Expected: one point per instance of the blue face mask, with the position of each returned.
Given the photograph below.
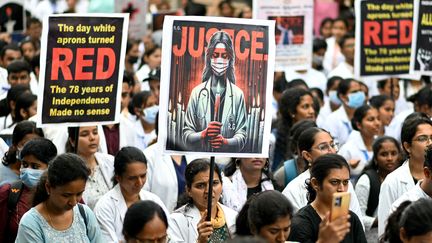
(150, 113)
(357, 99)
(30, 177)
(334, 98)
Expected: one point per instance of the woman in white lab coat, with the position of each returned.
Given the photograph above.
(188, 223)
(100, 164)
(130, 168)
(358, 148)
(244, 177)
(416, 135)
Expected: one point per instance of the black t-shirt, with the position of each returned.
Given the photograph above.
(253, 190)
(305, 227)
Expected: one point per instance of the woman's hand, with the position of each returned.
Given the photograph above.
(335, 231)
(205, 229)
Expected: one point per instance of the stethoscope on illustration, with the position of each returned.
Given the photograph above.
(204, 91)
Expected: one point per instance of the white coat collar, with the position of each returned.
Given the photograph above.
(341, 113)
(404, 173)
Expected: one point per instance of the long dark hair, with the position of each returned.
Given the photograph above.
(376, 146)
(216, 38)
(414, 217)
(62, 170)
(20, 131)
(290, 99)
(320, 169)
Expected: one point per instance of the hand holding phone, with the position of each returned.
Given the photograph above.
(340, 205)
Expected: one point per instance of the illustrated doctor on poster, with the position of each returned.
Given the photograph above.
(215, 117)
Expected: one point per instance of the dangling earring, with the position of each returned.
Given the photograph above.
(237, 162)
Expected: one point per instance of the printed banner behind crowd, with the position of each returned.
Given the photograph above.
(383, 43)
(294, 34)
(217, 78)
(12, 17)
(421, 56)
(82, 63)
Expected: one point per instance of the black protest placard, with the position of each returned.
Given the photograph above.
(383, 38)
(421, 56)
(82, 68)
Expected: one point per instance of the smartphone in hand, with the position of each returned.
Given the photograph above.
(340, 205)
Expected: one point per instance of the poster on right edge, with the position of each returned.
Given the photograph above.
(421, 56)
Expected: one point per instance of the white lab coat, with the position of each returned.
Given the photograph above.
(393, 186)
(354, 148)
(161, 175)
(111, 209)
(234, 193)
(343, 70)
(126, 135)
(395, 127)
(198, 116)
(312, 77)
(412, 195)
(184, 222)
(143, 139)
(333, 55)
(296, 193)
(338, 124)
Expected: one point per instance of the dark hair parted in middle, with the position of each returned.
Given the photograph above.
(139, 214)
(262, 209)
(321, 168)
(62, 170)
(126, 156)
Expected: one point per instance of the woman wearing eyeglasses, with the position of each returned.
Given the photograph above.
(416, 136)
(358, 148)
(328, 175)
(313, 143)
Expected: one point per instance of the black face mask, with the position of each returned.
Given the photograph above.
(133, 59)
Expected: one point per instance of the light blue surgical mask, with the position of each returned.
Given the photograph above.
(30, 177)
(334, 97)
(150, 113)
(357, 99)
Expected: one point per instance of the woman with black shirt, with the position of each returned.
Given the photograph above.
(329, 174)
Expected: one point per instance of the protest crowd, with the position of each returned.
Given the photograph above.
(331, 132)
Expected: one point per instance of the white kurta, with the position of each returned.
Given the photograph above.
(362, 190)
(393, 186)
(111, 210)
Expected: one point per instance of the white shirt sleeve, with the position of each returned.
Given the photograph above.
(362, 190)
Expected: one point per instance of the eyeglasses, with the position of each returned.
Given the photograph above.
(423, 138)
(124, 94)
(327, 147)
